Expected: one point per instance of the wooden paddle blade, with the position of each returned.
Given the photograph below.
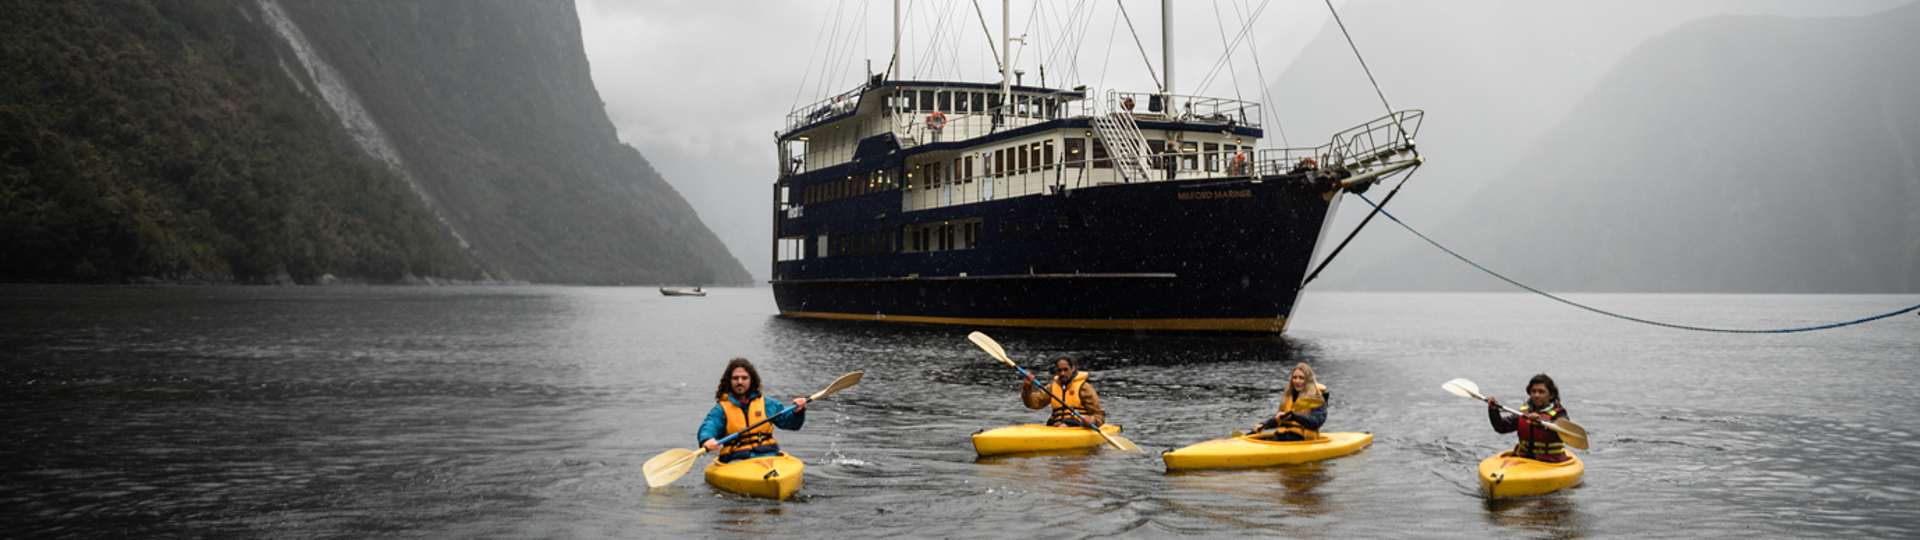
(1463, 388)
(842, 383)
(1570, 433)
(1120, 443)
(992, 347)
(663, 469)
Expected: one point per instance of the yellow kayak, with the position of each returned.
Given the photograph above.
(1036, 438)
(1504, 476)
(772, 477)
(1258, 451)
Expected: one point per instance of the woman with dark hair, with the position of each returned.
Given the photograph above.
(1070, 384)
(1543, 405)
(740, 405)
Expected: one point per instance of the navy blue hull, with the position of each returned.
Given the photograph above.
(1216, 255)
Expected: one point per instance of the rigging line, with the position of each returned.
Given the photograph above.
(989, 33)
(1370, 79)
(853, 50)
(1244, 31)
(802, 88)
(1410, 229)
(1066, 22)
(831, 15)
(1266, 94)
(1356, 229)
(1222, 29)
(822, 89)
(931, 63)
(1143, 48)
(1112, 32)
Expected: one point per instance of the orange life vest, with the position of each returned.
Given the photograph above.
(738, 419)
(1071, 396)
(1290, 426)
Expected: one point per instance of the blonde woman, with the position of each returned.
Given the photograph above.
(1291, 426)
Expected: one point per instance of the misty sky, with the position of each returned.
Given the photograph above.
(700, 89)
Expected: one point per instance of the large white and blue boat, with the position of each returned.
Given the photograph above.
(1004, 205)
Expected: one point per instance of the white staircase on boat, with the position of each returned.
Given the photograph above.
(1125, 144)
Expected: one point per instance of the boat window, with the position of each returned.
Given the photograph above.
(1074, 152)
(926, 101)
(993, 101)
(821, 246)
(1046, 154)
(1213, 157)
(1189, 156)
(969, 171)
(1063, 222)
(979, 102)
(906, 101)
(1022, 160)
(1100, 155)
(1000, 162)
(792, 248)
(946, 101)
(1033, 155)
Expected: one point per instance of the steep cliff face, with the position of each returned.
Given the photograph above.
(492, 110)
(167, 139)
(268, 141)
(1734, 154)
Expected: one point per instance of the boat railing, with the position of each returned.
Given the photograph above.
(1152, 106)
(1358, 148)
(924, 194)
(830, 107)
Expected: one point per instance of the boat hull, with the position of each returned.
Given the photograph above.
(1037, 438)
(772, 477)
(1251, 451)
(1200, 256)
(1505, 476)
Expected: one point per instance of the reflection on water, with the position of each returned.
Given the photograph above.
(248, 412)
(1554, 515)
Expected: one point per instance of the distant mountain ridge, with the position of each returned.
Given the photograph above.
(196, 140)
(1733, 154)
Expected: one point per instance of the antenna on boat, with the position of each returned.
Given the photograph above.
(1006, 63)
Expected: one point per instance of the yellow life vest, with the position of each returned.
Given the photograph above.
(1290, 426)
(1071, 395)
(738, 419)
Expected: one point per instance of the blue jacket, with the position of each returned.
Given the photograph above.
(716, 421)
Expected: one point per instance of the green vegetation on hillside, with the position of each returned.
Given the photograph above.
(166, 138)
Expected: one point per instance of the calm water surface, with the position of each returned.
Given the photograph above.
(527, 411)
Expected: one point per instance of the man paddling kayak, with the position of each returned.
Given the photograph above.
(740, 405)
(1288, 425)
(1543, 405)
(1071, 385)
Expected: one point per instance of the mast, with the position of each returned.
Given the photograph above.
(1006, 60)
(1166, 45)
(896, 40)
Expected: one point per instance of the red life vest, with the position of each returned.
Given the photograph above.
(738, 419)
(1539, 442)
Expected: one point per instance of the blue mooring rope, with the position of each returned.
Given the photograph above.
(1410, 229)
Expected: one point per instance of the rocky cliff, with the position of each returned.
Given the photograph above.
(1733, 154)
(261, 140)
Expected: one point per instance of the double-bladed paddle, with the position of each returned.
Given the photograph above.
(1574, 435)
(670, 465)
(993, 348)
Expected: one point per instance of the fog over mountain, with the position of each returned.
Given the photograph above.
(1731, 154)
(1493, 76)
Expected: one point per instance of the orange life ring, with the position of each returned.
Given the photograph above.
(1239, 161)
(1127, 102)
(937, 120)
(1309, 163)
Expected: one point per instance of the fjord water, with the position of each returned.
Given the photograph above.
(519, 412)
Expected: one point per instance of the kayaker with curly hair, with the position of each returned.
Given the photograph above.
(1543, 405)
(740, 405)
(1288, 425)
(1070, 384)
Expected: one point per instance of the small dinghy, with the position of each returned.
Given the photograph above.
(677, 291)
